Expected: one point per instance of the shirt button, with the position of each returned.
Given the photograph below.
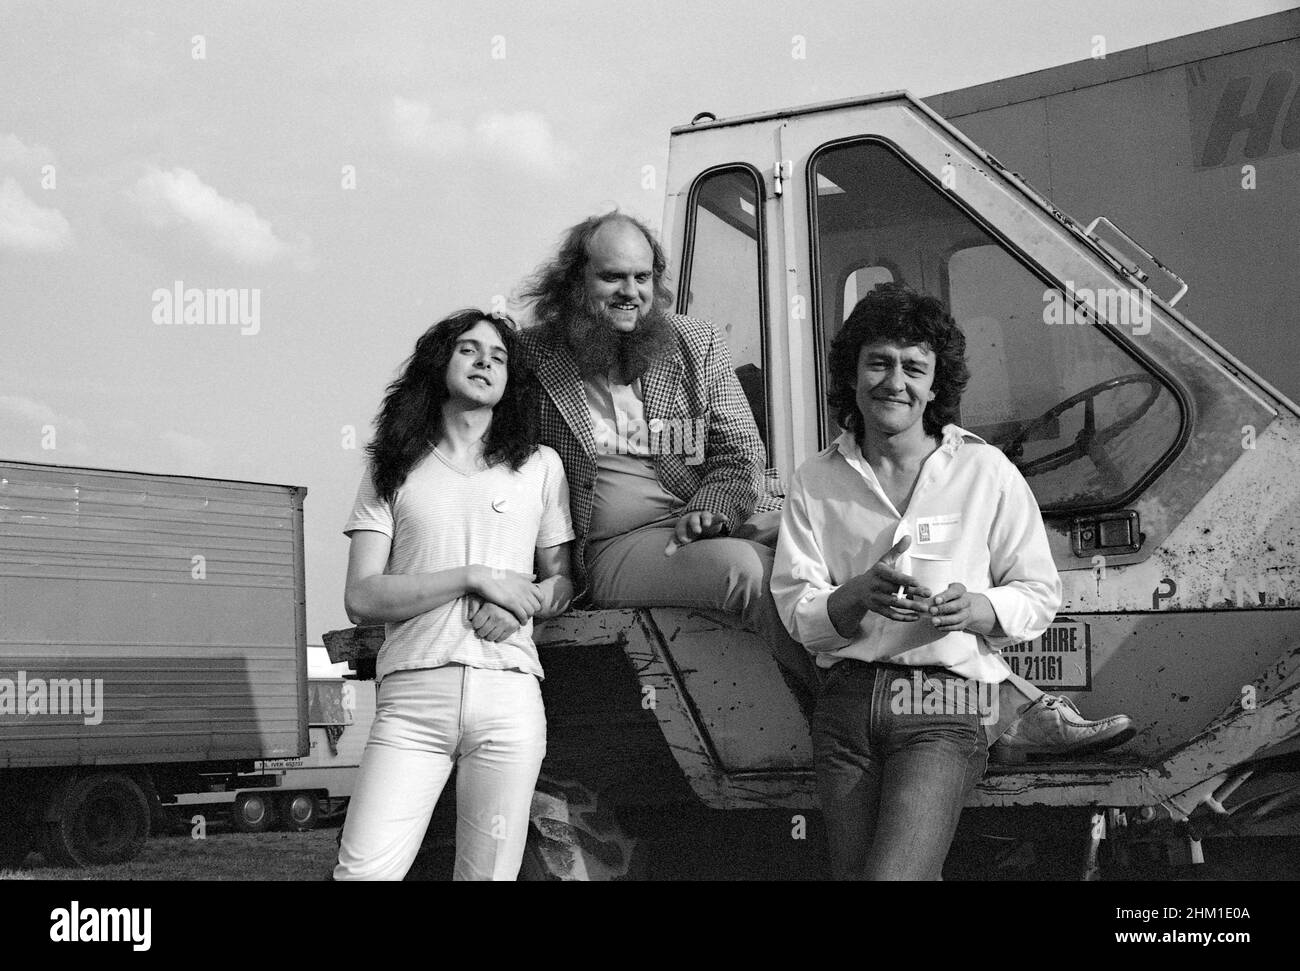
(656, 424)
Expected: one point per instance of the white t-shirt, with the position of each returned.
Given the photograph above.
(442, 518)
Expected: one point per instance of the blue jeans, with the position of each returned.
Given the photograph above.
(892, 784)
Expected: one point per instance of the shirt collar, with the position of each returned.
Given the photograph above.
(951, 440)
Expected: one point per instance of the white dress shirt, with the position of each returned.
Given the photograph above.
(972, 519)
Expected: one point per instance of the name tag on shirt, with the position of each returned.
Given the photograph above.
(938, 529)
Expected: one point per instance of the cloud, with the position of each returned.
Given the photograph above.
(414, 127)
(15, 154)
(25, 409)
(522, 139)
(28, 418)
(110, 444)
(234, 229)
(27, 227)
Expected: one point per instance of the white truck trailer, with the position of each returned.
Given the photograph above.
(152, 638)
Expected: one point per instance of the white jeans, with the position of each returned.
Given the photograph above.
(491, 726)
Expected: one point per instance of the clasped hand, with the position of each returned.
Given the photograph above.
(502, 602)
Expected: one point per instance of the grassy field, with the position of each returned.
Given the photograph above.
(708, 846)
(711, 847)
(220, 856)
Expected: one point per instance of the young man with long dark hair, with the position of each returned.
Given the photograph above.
(458, 511)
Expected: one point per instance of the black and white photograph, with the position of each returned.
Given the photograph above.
(661, 443)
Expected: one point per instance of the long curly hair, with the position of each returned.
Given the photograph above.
(410, 419)
(557, 287)
(896, 313)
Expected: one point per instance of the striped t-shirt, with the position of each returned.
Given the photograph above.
(442, 518)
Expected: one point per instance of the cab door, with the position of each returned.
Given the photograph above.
(722, 227)
(722, 222)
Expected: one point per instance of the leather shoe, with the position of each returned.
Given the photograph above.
(1053, 726)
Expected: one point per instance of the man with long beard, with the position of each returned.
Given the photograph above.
(659, 446)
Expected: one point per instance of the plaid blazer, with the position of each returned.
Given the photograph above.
(696, 380)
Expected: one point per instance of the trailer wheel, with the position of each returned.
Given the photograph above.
(299, 811)
(100, 818)
(253, 812)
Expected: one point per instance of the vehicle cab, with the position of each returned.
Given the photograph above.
(1167, 473)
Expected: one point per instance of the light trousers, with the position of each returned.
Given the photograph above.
(723, 574)
(491, 726)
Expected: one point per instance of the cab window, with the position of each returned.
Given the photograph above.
(1084, 416)
(722, 273)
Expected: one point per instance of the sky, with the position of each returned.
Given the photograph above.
(368, 169)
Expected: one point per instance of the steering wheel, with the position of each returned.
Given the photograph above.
(1091, 439)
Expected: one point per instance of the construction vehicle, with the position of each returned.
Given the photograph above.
(153, 644)
(1167, 470)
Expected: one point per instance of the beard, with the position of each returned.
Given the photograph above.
(600, 350)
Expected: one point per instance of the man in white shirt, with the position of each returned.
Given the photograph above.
(911, 552)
